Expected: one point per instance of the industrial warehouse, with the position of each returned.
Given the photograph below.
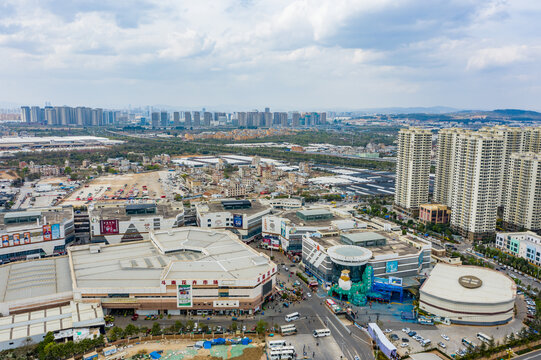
(468, 295)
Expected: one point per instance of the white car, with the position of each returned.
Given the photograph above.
(442, 345)
(445, 337)
(406, 330)
(404, 345)
(386, 331)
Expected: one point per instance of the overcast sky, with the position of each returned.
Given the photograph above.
(284, 54)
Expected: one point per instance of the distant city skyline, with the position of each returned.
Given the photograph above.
(283, 54)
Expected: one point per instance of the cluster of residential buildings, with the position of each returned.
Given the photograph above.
(477, 173)
(85, 116)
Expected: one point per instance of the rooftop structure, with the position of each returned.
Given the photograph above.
(35, 233)
(241, 216)
(388, 254)
(468, 295)
(72, 321)
(205, 260)
(34, 284)
(118, 222)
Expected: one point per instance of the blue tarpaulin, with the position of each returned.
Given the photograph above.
(207, 344)
(155, 355)
(245, 341)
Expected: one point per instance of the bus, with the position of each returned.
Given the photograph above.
(288, 330)
(321, 333)
(283, 352)
(331, 304)
(468, 343)
(277, 343)
(485, 338)
(293, 316)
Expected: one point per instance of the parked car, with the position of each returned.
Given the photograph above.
(404, 345)
(406, 330)
(445, 337)
(442, 345)
(394, 337)
(412, 333)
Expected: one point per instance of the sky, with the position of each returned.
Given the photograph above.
(288, 55)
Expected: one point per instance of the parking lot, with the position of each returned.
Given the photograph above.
(454, 333)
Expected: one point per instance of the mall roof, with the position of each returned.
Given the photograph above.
(494, 287)
(184, 253)
(20, 281)
(74, 315)
(217, 206)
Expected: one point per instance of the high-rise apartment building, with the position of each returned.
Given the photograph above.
(443, 185)
(155, 119)
(207, 118)
(196, 119)
(268, 119)
(522, 200)
(25, 114)
(164, 119)
(36, 114)
(176, 119)
(476, 180)
(243, 119)
(50, 116)
(412, 169)
(296, 120)
(187, 119)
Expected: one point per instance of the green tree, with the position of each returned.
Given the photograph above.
(156, 329)
(67, 170)
(234, 326)
(131, 330)
(261, 326)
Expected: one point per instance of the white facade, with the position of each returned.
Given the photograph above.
(522, 198)
(526, 245)
(476, 181)
(443, 185)
(468, 295)
(413, 167)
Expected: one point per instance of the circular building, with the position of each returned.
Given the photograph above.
(348, 257)
(468, 295)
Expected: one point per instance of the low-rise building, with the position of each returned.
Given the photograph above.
(526, 245)
(116, 222)
(468, 295)
(180, 271)
(74, 321)
(434, 213)
(243, 217)
(286, 230)
(35, 233)
(325, 256)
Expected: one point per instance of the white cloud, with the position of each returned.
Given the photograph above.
(356, 47)
(496, 57)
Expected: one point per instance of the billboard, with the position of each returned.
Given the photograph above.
(237, 220)
(16, 239)
(109, 227)
(47, 233)
(391, 266)
(5, 240)
(395, 281)
(55, 231)
(184, 295)
(26, 237)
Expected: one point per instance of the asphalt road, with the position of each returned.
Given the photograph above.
(534, 355)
